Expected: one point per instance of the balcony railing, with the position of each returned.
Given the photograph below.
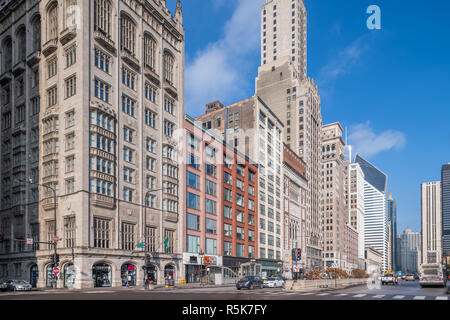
(34, 58)
(103, 201)
(49, 47)
(105, 41)
(130, 59)
(49, 203)
(68, 34)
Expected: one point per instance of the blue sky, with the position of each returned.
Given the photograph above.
(389, 87)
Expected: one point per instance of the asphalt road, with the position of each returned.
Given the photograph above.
(403, 291)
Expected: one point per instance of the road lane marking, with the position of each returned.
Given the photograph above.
(341, 295)
(324, 294)
(307, 293)
(379, 296)
(419, 298)
(398, 297)
(360, 295)
(441, 298)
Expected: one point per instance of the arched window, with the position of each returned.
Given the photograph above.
(36, 27)
(21, 44)
(7, 54)
(71, 13)
(102, 16)
(168, 67)
(52, 21)
(128, 34)
(150, 52)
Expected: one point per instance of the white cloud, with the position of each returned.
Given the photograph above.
(342, 64)
(366, 142)
(219, 71)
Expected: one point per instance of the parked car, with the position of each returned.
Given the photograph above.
(2, 285)
(274, 283)
(250, 282)
(410, 277)
(18, 285)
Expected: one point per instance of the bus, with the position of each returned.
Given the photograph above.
(433, 274)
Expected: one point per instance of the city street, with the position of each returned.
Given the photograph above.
(403, 291)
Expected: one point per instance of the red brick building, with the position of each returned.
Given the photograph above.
(220, 221)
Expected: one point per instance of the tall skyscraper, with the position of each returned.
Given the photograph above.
(354, 198)
(410, 251)
(431, 222)
(283, 85)
(392, 232)
(375, 219)
(334, 213)
(445, 189)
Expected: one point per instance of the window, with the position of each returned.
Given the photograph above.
(240, 216)
(19, 114)
(192, 160)
(210, 188)
(127, 236)
(102, 233)
(240, 184)
(70, 164)
(227, 195)
(228, 212)
(127, 35)
(227, 230)
(211, 226)
(210, 152)
(211, 246)
(150, 118)
(251, 220)
(193, 201)
(211, 169)
(193, 222)
(128, 175)
(227, 248)
(149, 52)
(169, 128)
(240, 250)
(128, 105)
(192, 244)
(51, 68)
(128, 155)
(127, 195)
(151, 237)
(128, 134)
(52, 95)
(69, 232)
(168, 67)
(101, 90)
(70, 141)
(192, 180)
(240, 200)
(52, 21)
(102, 16)
(70, 119)
(228, 178)
(102, 60)
(70, 186)
(193, 142)
(240, 233)
(169, 105)
(71, 86)
(71, 56)
(150, 92)
(128, 78)
(211, 206)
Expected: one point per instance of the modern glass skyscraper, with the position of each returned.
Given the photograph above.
(445, 191)
(392, 226)
(375, 222)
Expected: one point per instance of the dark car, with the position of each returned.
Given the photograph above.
(250, 282)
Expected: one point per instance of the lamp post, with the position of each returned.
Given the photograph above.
(54, 212)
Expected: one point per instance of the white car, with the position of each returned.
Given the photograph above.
(274, 283)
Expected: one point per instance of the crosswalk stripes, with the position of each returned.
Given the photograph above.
(307, 293)
(398, 297)
(441, 298)
(323, 294)
(341, 295)
(379, 296)
(419, 298)
(360, 295)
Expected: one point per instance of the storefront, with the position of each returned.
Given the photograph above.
(128, 275)
(169, 272)
(152, 274)
(101, 274)
(69, 275)
(34, 275)
(234, 264)
(201, 268)
(50, 278)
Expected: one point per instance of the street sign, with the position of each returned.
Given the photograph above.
(56, 271)
(141, 245)
(55, 239)
(29, 241)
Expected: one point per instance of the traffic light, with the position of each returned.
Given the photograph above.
(294, 254)
(299, 254)
(2, 237)
(57, 259)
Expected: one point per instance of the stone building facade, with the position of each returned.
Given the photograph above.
(111, 82)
